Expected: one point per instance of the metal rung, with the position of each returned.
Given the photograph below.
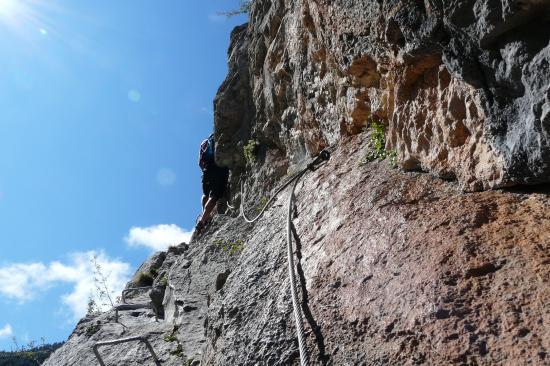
(131, 307)
(124, 340)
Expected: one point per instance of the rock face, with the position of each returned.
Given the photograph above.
(463, 87)
(396, 267)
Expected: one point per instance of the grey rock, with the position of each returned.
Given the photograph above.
(153, 263)
(462, 86)
(157, 296)
(386, 256)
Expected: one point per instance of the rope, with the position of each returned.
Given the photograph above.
(304, 359)
(323, 156)
(281, 188)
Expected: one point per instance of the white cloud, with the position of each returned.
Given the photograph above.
(6, 332)
(166, 177)
(157, 237)
(24, 281)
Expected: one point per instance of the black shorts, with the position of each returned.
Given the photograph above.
(214, 182)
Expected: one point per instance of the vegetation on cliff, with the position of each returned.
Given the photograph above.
(28, 356)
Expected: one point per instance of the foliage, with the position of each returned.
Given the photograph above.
(170, 338)
(154, 272)
(187, 361)
(244, 8)
(164, 281)
(376, 142)
(29, 355)
(251, 151)
(376, 146)
(178, 352)
(263, 201)
(392, 156)
(92, 308)
(101, 279)
(233, 247)
(145, 279)
(92, 329)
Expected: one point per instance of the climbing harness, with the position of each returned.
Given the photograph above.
(323, 156)
(125, 340)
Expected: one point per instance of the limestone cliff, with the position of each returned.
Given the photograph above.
(397, 266)
(463, 86)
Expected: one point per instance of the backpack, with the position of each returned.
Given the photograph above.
(206, 154)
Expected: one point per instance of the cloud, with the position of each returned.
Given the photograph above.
(157, 237)
(22, 282)
(6, 332)
(166, 177)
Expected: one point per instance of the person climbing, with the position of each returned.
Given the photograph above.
(214, 181)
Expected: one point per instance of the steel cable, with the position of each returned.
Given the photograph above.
(323, 156)
(304, 359)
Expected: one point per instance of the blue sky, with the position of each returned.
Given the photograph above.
(102, 107)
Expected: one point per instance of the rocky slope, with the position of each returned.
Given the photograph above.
(396, 266)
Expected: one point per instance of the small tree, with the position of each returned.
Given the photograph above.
(102, 289)
(92, 306)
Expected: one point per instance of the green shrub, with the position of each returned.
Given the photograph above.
(178, 352)
(376, 146)
(392, 155)
(233, 247)
(92, 329)
(236, 247)
(251, 151)
(145, 279)
(263, 201)
(170, 338)
(377, 142)
(154, 272)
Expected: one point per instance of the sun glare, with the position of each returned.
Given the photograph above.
(9, 9)
(21, 15)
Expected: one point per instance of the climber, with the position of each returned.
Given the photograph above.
(214, 181)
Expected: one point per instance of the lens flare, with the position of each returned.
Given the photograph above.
(10, 10)
(20, 16)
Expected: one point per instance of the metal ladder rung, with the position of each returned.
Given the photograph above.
(122, 307)
(125, 340)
